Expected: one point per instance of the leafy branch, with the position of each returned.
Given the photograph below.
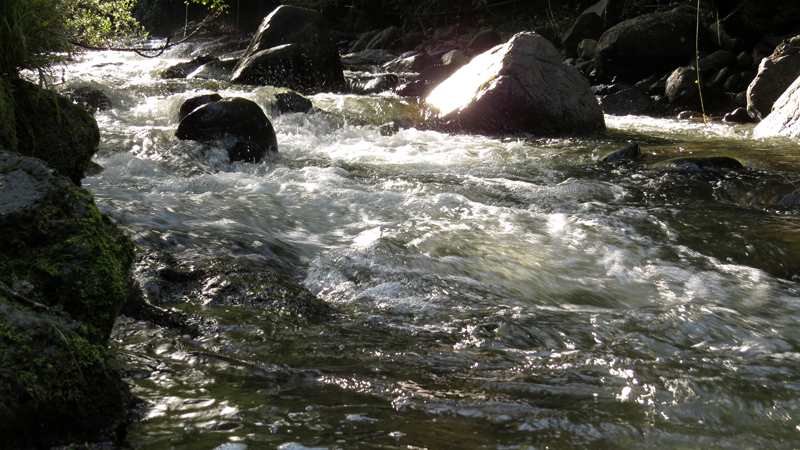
(141, 51)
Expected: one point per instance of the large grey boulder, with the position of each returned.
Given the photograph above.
(648, 44)
(239, 124)
(69, 268)
(292, 49)
(785, 117)
(521, 86)
(775, 74)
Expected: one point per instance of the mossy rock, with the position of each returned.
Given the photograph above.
(55, 383)
(56, 387)
(8, 133)
(56, 239)
(52, 128)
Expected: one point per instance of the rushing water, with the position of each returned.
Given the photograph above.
(491, 293)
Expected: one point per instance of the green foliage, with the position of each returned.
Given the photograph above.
(29, 34)
(97, 22)
(219, 6)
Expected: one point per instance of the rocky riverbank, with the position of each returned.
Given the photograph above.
(66, 275)
(670, 61)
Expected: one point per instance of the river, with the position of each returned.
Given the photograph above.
(491, 293)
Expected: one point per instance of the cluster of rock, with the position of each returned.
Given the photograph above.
(658, 63)
(293, 49)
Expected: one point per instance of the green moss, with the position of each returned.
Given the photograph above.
(53, 379)
(75, 257)
(50, 127)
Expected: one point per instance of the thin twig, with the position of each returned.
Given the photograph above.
(18, 296)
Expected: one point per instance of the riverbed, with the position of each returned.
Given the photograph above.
(490, 292)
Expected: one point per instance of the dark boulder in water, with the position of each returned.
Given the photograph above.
(411, 61)
(632, 151)
(181, 70)
(215, 70)
(289, 102)
(195, 102)
(292, 49)
(238, 123)
(738, 115)
(365, 84)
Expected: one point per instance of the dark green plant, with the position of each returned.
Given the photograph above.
(29, 35)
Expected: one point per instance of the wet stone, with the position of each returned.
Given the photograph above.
(630, 152)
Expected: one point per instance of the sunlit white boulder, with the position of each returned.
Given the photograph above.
(784, 120)
(521, 86)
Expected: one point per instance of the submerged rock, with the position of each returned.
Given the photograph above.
(785, 117)
(238, 123)
(166, 280)
(292, 49)
(521, 86)
(58, 385)
(90, 98)
(713, 163)
(632, 151)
